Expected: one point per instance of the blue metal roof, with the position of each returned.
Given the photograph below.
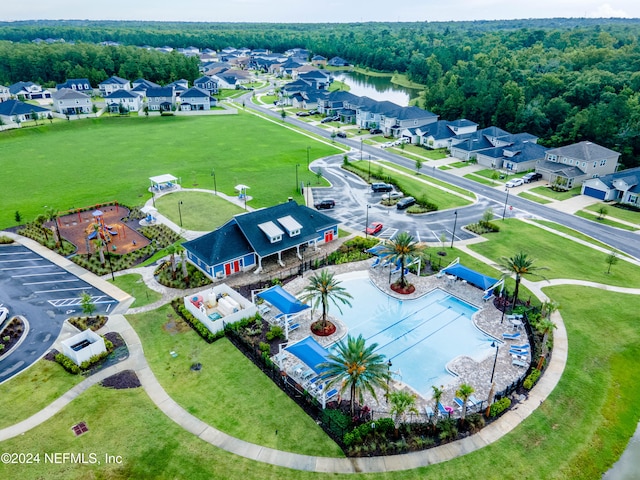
(282, 300)
(471, 276)
(310, 352)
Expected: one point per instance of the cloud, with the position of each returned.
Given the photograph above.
(607, 11)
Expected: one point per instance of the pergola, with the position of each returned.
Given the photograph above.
(161, 182)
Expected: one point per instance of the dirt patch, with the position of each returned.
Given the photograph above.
(122, 380)
(175, 326)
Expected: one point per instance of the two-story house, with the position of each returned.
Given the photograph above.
(112, 84)
(5, 94)
(567, 167)
(195, 99)
(123, 100)
(161, 99)
(72, 102)
(79, 84)
(28, 91)
(207, 84)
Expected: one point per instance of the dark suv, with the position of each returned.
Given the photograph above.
(532, 177)
(375, 131)
(325, 204)
(381, 187)
(405, 203)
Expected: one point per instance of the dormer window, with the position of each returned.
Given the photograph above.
(290, 225)
(272, 231)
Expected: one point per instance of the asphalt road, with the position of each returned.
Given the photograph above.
(427, 226)
(45, 294)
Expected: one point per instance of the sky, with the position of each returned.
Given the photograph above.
(318, 11)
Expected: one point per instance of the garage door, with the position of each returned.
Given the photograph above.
(595, 193)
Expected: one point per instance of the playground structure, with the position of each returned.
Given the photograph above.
(83, 226)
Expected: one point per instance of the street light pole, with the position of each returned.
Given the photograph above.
(297, 184)
(361, 140)
(215, 185)
(455, 221)
(366, 223)
(180, 211)
(389, 365)
(369, 179)
(504, 212)
(493, 371)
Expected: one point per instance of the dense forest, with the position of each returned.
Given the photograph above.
(564, 80)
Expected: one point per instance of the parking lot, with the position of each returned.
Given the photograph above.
(45, 294)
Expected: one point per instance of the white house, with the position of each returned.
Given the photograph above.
(128, 99)
(4, 93)
(72, 102)
(112, 84)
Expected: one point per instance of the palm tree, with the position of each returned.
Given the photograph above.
(183, 264)
(520, 264)
(171, 250)
(39, 221)
(464, 392)
(322, 289)
(98, 244)
(402, 249)
(356, 367)
(545, 327)
(437, 396)
(52, 215)
(401, 403)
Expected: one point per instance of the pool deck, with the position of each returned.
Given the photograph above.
(475, 373)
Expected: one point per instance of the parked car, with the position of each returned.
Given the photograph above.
(405, 203)
(392, 195)
(325, 204)
(374, 228)
(302, 114)
(516, 182)
(381, 187)
(532, 177)
(313, 112)
(341, 134)
(375, 131)
(326, 120)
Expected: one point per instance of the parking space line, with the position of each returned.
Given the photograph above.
(73, 301)
(88, 287)
(39, 274)
(53, 281)
(22, 268)
(22, 260)
(418, 236)
(16, 253)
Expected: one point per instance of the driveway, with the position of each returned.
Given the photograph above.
(45, 294)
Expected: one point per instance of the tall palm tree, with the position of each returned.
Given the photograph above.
(520, 265)
(322, 289)
(437, 396)
(356, 367)
(544, 326)
(171, 250)
(52, 215)
(401, 402)
(183, 264)
(403, 249)
(464, 392)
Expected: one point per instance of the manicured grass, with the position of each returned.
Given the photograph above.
(444, 167)
(229, 392)
(605, 221)
(133, 284)
(199, 210)
(32, 390)
(417, 188)
(617, 212)
(547, 192)
(534, 198)
(435, 181)
(574, 233)
(482, 180)
(122, 153)
(458, 164)
(414, 151)
(338, 85)
(565, 258)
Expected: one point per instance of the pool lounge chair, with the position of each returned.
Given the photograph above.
(331, 393)
(520, 347)
(519, 363)
(376, 262)
(429, 411)
(443, 410)
(515, 351)
(511, 336)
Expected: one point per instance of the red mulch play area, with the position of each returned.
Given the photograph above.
(75, 228)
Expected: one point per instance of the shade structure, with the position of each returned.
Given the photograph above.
(282, 300)
(471, 276)
(376, 249)
(310, 352)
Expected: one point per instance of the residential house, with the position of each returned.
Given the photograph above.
(306, 100)
(319, 61)
(569, 166)
(466, 146)
(5, 94)
(231, 79)
(72, 102)
(125, 99)
(28, 91)
(207, 84)
(335, 101)
(79, 84)
(247, 239)
(161, 99)
(15, 111)
(338, 62)
(623, 187)
(179, 86)
(439, 134)
(195, 99)
(112, 84)
(317, 78)
(394, 121)
(521, 156)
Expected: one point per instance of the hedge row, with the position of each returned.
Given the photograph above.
(194, 323)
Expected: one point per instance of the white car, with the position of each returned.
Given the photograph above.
(392, 195)
(516, 182)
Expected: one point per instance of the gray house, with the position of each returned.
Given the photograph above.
(112, 84)
(72, 102)
(206, 83)
(195, 99)
(517, 157)
(161, 99)
(623, 187)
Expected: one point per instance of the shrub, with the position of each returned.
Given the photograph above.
(265, 348)
(6, 338)
(500, 406)
(275, 332)
(4, 240)
(194, 323)
(67, 363)
(531, 379)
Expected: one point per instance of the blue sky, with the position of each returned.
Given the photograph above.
(315, 11)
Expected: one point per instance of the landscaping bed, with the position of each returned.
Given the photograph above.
(11, 335)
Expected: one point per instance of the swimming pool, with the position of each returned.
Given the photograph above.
(419, 336)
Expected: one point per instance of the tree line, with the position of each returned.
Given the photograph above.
(564, 80)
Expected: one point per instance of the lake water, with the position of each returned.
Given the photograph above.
(378, 88)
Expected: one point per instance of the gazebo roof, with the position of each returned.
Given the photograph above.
(163, 178)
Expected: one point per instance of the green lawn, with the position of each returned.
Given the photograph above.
(534, 198)
(199, 210)
(133, 284)
(458, 164)
(416, 187)
(229, 392)
(114, 157)
(482, 180)
(32, 390)
(565, 258)
(547, 192)
(617, 212)
(444, 167)
(605, 221)
(435, 181)
(573, 233)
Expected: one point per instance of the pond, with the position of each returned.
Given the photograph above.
(378, 88)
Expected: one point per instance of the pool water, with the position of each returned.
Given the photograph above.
(420, 336)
